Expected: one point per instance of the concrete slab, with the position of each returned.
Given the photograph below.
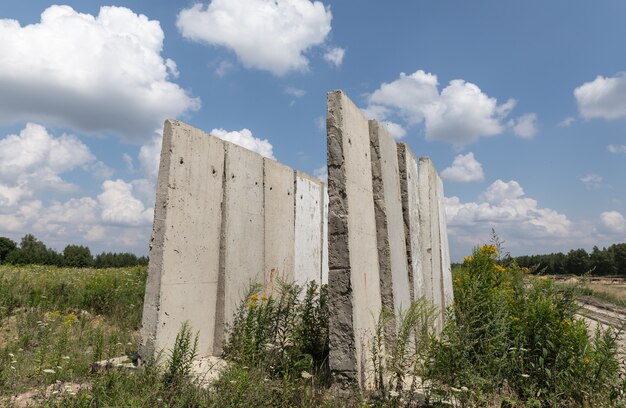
(407, 165)
(242, 258)
(324, 273)
(446, 270)
(279, 201)
(186, 236)
(353, 278)
(392, 261)
(425, 239)
(427, 171)
(308, 233)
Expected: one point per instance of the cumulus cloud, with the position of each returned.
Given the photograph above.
(567, 122)
(464, 169)
(604, 97)
(34, 159)
(268, 35)
(94, 74)
(459, 114)
(245, 139)
(505, 207)
(149, 157)
(334, 56)
(616, 148)
(525, 126)
(120, 206)
(612, 222)
(591, 181)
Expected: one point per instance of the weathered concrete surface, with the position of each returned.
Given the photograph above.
(183, 270)
(279, 224)
(446, 270)
(392, 261)
(353, 278)
(407, 165)
(308, 238)
(242, 258)
(324, 274)
(425, 221)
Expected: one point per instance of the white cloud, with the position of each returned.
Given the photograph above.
(268, 35)
(464, 169)
(616, 148)
(394, 129)
(120, 206)
(321, 173)
(604, 97)
(223, 68)
(320, 123)
(95, 74)
(613, 222)
(591, 181)
(150, 156)
(567, 122)
(34, 159)
(518, 219)
(245, 139)
(295, 92)
(526, 126)
(334, 56)
(459, 114)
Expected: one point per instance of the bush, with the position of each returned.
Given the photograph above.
(509, 333)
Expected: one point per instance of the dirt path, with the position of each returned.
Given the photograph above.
(598, 313)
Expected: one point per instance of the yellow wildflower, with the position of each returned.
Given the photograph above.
(254, 298)
(515, 318)
(457, 280)
(586, 360)
(468, 259)
(69, 319)
(488, 249)
(525, 270)
(251, 304)
(264, 298)
(500, 268)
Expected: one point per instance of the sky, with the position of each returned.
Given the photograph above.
(521, 105)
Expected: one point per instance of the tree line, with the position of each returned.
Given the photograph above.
(32, 251)
(605, 261)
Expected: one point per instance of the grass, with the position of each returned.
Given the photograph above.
(509, 340)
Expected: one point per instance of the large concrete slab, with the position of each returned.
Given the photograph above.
(242, 252)
(308, 233)
(407, 165)
(392, 260)
(279, 201)
(353, 278)
(446, 270)
(183, 270)
(324, 274)
(427, 177)
(425, 239)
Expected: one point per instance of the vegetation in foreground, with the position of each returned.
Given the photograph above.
(510, 340)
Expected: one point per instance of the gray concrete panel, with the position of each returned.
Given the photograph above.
(410, 210)
(425, 217)
(354, 282)
(308, 233)
(392, 261)
(448, 292)
(279, 224)
(243, 238)
(324, 271)
(186, 236)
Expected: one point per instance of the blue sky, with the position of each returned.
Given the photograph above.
(521, 106)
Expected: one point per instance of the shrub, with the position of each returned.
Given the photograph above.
(511, 333)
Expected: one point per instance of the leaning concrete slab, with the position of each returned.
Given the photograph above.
(448, 292)
(425, 221)
(353, 278)
(242, 257)
(308, 233)
(407, 165)
(324, 274)
(183, 271)
(429, 210)
(279, 224)
(394, 277)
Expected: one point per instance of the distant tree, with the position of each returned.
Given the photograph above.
(619, 257)
(33, 251)
(77, 256)
(601, 262)
(6, 245)
(577, 262)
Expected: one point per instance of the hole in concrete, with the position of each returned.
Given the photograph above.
(270, 188)
(288, 193)
(232, 176)
(181, 160)
(213, 171)
(300, 197)
(349, 141)
(256, 183)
